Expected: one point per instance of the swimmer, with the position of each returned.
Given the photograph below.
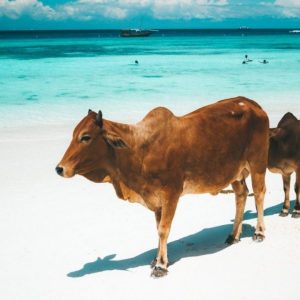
(264, 61)
(247, 58)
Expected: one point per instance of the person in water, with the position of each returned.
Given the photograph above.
(136, 62)
(264, 61)
(247, 58)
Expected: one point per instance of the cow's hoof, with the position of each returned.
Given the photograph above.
(153, 263)
(284, 213)
(158, 272)
(258, 237)
(231, 240)
(296, 214)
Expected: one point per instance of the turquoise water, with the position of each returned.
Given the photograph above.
(55, 80)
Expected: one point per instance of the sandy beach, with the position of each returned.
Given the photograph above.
(73, 239)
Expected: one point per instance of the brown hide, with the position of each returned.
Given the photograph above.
(284, 152)
(284, 157)
(165, 156)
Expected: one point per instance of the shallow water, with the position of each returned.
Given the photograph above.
(55, 77)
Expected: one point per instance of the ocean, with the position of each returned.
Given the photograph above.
(54, 77)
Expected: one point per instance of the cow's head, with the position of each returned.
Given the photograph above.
(282, 140)
(282, 132)
(90, 149)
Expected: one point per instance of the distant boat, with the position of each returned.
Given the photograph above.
(294, 31)
(136, 32)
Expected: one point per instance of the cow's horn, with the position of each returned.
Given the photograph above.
(90, 111)
(99, 120)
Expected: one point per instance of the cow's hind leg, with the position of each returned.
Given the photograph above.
(286, 187)
(168, 209)
(296, 211)
(259, 189)
(157, 219)
(241, 191)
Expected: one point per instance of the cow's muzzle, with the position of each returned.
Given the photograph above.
(65, 171)
(59, 170)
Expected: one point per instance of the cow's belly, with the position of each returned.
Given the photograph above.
(197, 187)
(285, 167)
(214, 183)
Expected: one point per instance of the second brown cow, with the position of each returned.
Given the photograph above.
(284, 158)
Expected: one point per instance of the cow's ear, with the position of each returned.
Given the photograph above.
(114, 140)
(275, 133)
(99, 120)
(90, 111)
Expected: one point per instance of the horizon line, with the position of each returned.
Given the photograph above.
(115, 29)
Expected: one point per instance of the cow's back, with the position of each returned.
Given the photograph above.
(228, 125)
(207, 148)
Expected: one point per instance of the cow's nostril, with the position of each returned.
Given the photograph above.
(59, 170)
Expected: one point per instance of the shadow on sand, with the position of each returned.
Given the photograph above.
(206, 241)
(273, 210)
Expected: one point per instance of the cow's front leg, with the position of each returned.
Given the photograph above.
(160, 264)
(296, 211)
(286, 187)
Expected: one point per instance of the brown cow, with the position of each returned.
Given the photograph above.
(163, 157)
(284, 158)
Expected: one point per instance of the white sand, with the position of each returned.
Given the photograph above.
(74, 239)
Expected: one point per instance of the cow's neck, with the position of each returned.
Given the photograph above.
(126, 164)
(125, 131)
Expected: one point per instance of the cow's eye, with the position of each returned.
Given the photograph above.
(85, 138)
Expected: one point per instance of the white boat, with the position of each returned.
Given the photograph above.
(136, 32)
